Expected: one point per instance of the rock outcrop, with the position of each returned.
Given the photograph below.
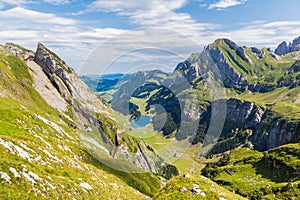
(230, 76)
(72, 89)
(285, 48)
(269, 130)
(240, 51)
(291, 77)
(188, 70)
(212, 59)
(244, 113)
(79, 107)
(245, 122)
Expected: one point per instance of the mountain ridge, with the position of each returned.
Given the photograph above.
(70, 119)
(74, 129)
(246, 73)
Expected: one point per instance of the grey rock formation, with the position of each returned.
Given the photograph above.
(183, 66)
(231, 78)
(284, 48)
(239, 50)
(295, 46)
(291, 77)
(87, 107)
(188, 70)
(75, 92)
(231, 44)
(211, 59)
(255, 50)
(269, 130)
(266, 128)
(244, 113)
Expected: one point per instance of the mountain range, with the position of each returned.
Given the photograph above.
(224, 125)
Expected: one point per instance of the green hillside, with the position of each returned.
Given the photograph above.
(261, 95)
(42, 156)
(270, 175)
(175, 189)
(65, 145)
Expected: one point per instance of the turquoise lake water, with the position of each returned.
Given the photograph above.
(142, 122)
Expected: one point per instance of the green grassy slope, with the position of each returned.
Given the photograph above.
(270, 175)
(263, 68)
(41, 157)
(256, 175)
(209, 189)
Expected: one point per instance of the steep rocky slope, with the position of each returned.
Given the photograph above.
(249, 124)
(285, 48)
(90, 114)
(273, 174)
(241, 68)
(262, 88)
(55, 134)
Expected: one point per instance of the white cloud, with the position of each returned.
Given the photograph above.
(129, 6)
(20, 34)
(67, 37)
(222, 4)
(154, 14)
(134, 48)
(73, 40)
(35, 16)
(13, 2)
(260, 33)
(57, 2)
(100, 33)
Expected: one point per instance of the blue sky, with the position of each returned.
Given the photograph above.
(118, 30)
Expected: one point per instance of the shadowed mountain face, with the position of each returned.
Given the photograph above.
(285, 48)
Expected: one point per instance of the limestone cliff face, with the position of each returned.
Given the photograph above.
(247, 122)
(231, 77)
(244, 113)
(62, 89)
(212, 59)
(285, 48)
(71, 88)
(65, 79)
(291, 77)
(269, 130)
(273, 132)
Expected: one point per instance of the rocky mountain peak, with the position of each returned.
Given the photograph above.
(285, 48)
(295, 46)
(224, 41)
(66, 81)
(88, 110)
(18, 51)
(231, 44)
(50, 62)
